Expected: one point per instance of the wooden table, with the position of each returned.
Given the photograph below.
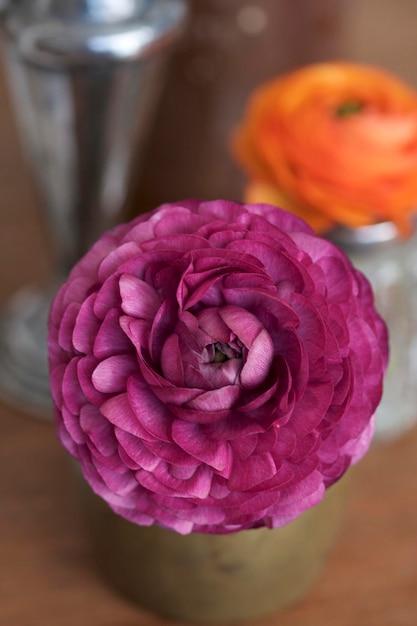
(47, 577)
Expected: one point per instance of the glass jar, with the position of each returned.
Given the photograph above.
(389, 262)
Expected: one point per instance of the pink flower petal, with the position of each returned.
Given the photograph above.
(72, 393)
(119, 412)
(66, 327)
(111, 375)
(98, 430)
(312, 407)
(139, 299)
(86, 326)
(258, 361)
(171, 361)
(110, 338)
(216, 400)
(245, 325)
(250, 472)
(213, 325)
(139, 456)
(149, 411)
(190, 437)
(85, 368)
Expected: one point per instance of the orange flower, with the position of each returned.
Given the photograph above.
(335, 143)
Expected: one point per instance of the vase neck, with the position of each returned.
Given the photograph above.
(365, 238)
(99, 11)
(68, 33)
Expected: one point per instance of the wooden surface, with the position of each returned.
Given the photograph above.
(47, 577)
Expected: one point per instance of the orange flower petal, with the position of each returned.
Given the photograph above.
(351, 169)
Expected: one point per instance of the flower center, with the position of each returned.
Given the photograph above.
(220, 352)
(219, 356)
(350, 107)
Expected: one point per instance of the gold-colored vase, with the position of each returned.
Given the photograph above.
(204, 578)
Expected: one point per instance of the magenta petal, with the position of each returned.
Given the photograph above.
(137, 331)
(233, 426)
(307, 492)
(111, 461)
(307, 446)
(244, 324)
(171, 361)
(149, 481)
(110, 338)
(110, 376)
(180, 242)
(199, 417)
(221, 375)
(267, 440)
(197, 486)
(108, 297)
(191, 438)
(243, 447)
(311, 408)
(162, 325)
(258, 505)
(311, 330)
(178, 396)
(85, 369)
(119, 412)
(205, 516)
(213, 325)
(278, 265)
(258, 361)
(98, 430)
(66, 327)
(216, 400)
(121, 484)
(181, 472)
(258, 299)
(283, 477)
(286, 442)
(72, 393)
(251, 472)
(65, 437)
(86, 326)
(257, 400)
(179, 220)
(72, 426)
(150, 412)
(136, 451)
(139, 299)
(171, 453)
(356, 448)
(116, 258)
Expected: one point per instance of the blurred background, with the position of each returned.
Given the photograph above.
(228, 48)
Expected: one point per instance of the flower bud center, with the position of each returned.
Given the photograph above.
(220, 352)
(348, 108)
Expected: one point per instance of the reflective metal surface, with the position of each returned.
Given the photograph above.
(364, 237)
(85, 75)
(61, 33)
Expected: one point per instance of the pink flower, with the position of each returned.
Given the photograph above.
(215, 366)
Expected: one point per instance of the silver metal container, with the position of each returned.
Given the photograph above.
(85, 75)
